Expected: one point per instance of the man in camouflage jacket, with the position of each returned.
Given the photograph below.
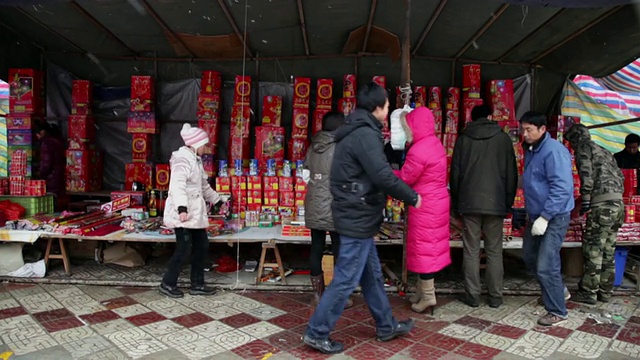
(601, 190)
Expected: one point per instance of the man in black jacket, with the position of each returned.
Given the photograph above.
(629, 157)
(484, 178)
(360, 178)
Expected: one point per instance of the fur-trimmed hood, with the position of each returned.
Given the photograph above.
(418, 124)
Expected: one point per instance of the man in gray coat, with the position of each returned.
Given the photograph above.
(317, 202)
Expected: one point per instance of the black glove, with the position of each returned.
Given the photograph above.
(586, 207)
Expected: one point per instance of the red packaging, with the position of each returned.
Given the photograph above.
(223, 185)
(271, 198)
(163, 175)
(349, 87)
(501, 100)
(138, 172)
(449, 143)
(242, 94)
(301, 186)
(471, 80)
(380, 80)
(287, 198)
(629, 213)
(285, 183)
(300, 125)
(318, 114)
(467, 107)
(518, 202)
(298, 149)
(239, 148)
(346, 105)
(254, 183)
(271, 183)
(324, 97)
(630, 182)
(240, 122)
(19, 137)
(81, 162)
(451, 125)
(209, 165)
(269, 144)
(19, 121)
(16, 185)
(453, 98)
(254, 197)
(141, 148)
(271, 111)
(238, 183)
(81, 127)
(26, 91)
(142, 93)
(420, 96)
(437, 119)
(142, 123)
(208, 107)
(211, 82)
(301, 92)
(435, 97)
(211, 128)
(81, 97)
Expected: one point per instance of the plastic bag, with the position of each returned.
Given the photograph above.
(398, 136)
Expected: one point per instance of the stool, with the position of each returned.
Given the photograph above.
(62, 256)
(271, 244)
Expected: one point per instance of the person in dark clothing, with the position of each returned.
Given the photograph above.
(52, 158)
(629, 157)
(317, 202)
(360, 178)
(484, 179)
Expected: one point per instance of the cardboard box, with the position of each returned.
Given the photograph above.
(20, 121)
(141, 148)
(380, 80)
(453, 118)
(142, 123)
(324, 97)
(298, 149)
(471, 80)
(300, 124)
(26, 91)
(453, 98)
(349, 88)
(81, 96)
(346, 105)
(223, 185)
(138, 172)
(142, 93)
(254, 183)
(271, 197)
(286, 211)
(81, 162)
(501, 99)
(208, 107)
(211, 128)
(240, 121)
(286, 184)
(238, 183)
(211, 82)
(81, 127)
(435, 97)
(269, 144)
(316, 126)
(271, 111)
(19, 137)
(301, 92)
(270, 183)
(242, 93)
(254, 197)
(420, 96)
(238, 149)
(163, 175)
(287, 198)
(300, 185)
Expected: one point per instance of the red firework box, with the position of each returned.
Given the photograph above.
(238, 148)
(254, 197)
(287, 198)
(271, 183)
(437, 119)
(349, 86)
(240, 121)
(20, 121)
(298, 149)
(346, 105)
(271, 110)
(518, 202)
(238, 183)
(81, 127)
(142, 123)
(286, 183)
(420, 96)
(301, 92)
(471, 80)
(209, 165)
(501, 100)
(208, 107)
(519, 151)
(223, 185)
(318, 114)
(211, 128)
(254, 183)
(19, 137)
(16, 185)
(467, 108)
(301, 186)
(211, 82)
(629, 213)
(81, 97)
(300, 124)
(324, 96)
(142, 93)
(163, 175)
(141, 147)
(26, 91)
(449, 143)
(435, 97)
(138, 172)
(453, 98)
(451, 125)
(300, 195)
(35, 188)
(242, 93)
(269, 144)
(630, 182)
(271, 198)
(380, 80)
(81, 162)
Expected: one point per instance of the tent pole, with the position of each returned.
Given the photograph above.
(620, 122)
(405, 76)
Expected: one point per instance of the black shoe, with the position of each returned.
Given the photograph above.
(470, 302)
(403, 328)
(604, 298)
(327, 346)
(202, 290)
(585, 299)
(172, 292)
(494, 302)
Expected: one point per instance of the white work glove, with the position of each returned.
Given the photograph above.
(539, 226)
(306, 176)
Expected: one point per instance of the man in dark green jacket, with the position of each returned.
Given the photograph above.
(602, 185)
(484, 178)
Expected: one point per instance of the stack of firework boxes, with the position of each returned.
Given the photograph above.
(142, 125)
(26, 108)
(208, 114)
(84, 162)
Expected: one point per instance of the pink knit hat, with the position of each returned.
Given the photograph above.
(193, 136)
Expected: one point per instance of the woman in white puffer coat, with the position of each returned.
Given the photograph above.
(190, 197)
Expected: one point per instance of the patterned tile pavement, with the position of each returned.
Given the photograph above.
(94, 322)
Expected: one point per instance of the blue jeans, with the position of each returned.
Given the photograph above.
(358, 262)
(541, 255)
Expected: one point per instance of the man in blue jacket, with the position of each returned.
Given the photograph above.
(548, 190)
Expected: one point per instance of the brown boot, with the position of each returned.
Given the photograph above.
(428, 299)
(317, 283)
(417, 295)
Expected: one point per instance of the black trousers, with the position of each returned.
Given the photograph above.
(428, 276)
(318, 242)
(198, 240)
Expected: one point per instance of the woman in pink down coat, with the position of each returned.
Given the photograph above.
(425, 170)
